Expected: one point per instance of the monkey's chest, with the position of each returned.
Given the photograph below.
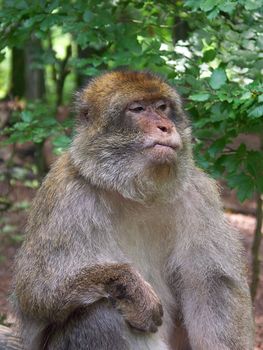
(146, 244)
(146, 247)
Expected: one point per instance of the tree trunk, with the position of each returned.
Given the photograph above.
(35, 79)
(181, 29)
(256, 248)
(81, 78)
(88, 52)
(257, 241)
(18, 82)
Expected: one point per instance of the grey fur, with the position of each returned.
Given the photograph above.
(115, 211)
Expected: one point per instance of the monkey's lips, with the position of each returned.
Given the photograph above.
(161, 152)
(160, 146)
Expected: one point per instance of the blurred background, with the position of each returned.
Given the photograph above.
(211, 50)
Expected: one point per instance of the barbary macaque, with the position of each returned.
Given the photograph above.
(127, 247)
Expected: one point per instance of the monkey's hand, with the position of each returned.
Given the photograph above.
(138, 303)
(120, 283)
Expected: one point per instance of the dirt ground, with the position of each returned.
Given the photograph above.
(12, 222)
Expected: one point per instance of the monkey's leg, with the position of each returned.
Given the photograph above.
(100, 327)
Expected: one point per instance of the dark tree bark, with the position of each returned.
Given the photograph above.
(80, 77)
(88, 52)
(18, 82)
(35, 79)
(61, 75)
(181, 29)
(257, 241)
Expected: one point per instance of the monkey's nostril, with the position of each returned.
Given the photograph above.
(163, 128)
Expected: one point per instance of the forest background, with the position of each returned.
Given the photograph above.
(211, 50)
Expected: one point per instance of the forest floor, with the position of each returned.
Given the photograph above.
(12, 223)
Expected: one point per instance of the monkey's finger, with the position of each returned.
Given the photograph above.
(158, 321)
(137, 328)
(147, 328)
(160, 309)
(153, 328)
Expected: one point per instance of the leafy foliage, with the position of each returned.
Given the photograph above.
(224, 81)
(36, 123)
(211, 49)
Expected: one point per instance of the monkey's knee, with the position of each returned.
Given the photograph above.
(100, 327)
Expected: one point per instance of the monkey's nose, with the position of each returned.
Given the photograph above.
(165, 126)
(162, 128)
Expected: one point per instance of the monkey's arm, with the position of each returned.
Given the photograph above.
(209, 271)
(216, 306)
(120, 283)
(70, 258)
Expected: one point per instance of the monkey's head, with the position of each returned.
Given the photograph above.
(132, 136)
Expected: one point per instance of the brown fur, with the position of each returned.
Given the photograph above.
(123, 221)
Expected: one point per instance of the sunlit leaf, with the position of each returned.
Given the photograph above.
(218, 78)
(199, 97)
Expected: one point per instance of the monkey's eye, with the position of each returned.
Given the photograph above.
(162, 107)
(136, 109)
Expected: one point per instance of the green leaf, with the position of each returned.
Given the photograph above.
(21, 205)
(194, 4)
(242, 150)
(202, 122)
(2, 56)
(213, 14)
(209, 55)
(21, 5)
(217, 147)
(8, 229)
(203, 133)
(207, 5)
(228, 7)
(17, 238)
(231, 162)
(253, 4)
(246, 96)
(61, 141)
(254, 163)
(218, 78)
(48, 122)
(244, 184)
(88, 15)
(21, 126)
(199, 97)
(26, 116)
(245, 191)
(256, 112)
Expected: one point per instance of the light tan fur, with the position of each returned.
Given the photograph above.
(121, 222)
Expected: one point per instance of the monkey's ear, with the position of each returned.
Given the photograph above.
(81, 108)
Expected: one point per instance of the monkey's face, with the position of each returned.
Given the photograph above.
(133, 135)
(160, 141)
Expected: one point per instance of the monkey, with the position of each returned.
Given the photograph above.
(127, 247)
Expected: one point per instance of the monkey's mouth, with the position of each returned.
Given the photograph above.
(159, 145)
(160, 152)
(161, 149)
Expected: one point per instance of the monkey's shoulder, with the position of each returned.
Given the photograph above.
(202, 189)
(203, 179)
(61, 174)
(62, 179)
